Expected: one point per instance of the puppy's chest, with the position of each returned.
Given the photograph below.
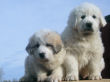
(84, 53)
(81, 48)
(83, 60)
(53, 65)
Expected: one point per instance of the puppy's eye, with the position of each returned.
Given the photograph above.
(83, 16)
(94, 16)
(49, 45)
(36, 46)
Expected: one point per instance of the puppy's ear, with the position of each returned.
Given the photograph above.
(75, 23)
(29, 49)
(57, 48)
(72, 21)
(53, 40)
(102, 21)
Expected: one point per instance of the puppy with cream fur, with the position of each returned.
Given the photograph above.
(83, 43)
(46, 55)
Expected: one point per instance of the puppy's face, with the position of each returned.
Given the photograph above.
(87, 19)
(44, 46)
(88, 23)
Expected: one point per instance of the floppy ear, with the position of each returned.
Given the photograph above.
(102, 21)
(57, 48)
(72, 21)
(75, 23)
(29, 49)
(53, 40)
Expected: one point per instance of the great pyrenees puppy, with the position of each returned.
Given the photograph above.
(83, 43)
(46, 56)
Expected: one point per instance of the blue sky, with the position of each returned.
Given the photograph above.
(19, 19)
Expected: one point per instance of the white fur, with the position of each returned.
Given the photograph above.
(39, 68)
(84, 48)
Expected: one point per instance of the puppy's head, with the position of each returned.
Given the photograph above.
(86, 19)
(44, 45)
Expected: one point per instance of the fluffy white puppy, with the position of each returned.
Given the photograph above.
(46, 55)
(83, 43)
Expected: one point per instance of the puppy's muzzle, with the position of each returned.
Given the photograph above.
(88, 27)
(42, 55)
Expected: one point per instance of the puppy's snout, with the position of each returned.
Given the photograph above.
(88, 26)
(42, 55)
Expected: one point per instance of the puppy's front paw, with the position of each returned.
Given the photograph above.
(41, 78)
(54, 78)
(71, 77)
(95, 77)
(27, 79)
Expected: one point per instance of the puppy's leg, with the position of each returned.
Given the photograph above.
(71, 66)
(84, 73)
(34, 70)
(95, 69)
(102, 65)
(41, 76)
(24, 78)
(56, 75)
(27, 78)
(29, 71)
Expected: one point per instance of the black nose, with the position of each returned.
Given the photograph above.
(42, 55)
(89, 25)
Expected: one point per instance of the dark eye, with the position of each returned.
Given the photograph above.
(36, 46)
(94, 16)
(49, 45)
(83, 16)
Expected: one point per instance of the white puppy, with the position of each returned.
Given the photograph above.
(83, 43)
(46, 55)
